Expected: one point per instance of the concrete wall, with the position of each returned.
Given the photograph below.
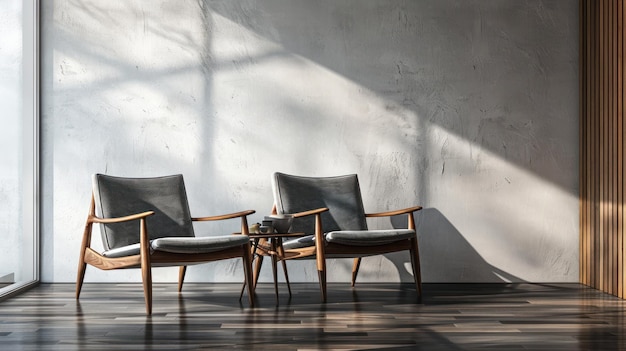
(468, 108)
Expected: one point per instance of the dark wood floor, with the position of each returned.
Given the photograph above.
(370, 317)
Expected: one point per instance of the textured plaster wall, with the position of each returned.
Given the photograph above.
(468, 108)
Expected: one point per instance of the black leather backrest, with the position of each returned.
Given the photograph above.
(118, 197)
(340, 194)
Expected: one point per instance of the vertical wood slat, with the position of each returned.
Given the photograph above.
(602, 94)
(602, 168)
(620, 147)
(601, 140)
(593, 70)
(582, 137)
(601, 106)
(595, 209)
(590, 145)
(612, 151)
(604, 140)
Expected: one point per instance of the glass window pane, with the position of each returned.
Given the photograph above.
(18, 98)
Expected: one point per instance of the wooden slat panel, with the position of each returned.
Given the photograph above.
(602, 94)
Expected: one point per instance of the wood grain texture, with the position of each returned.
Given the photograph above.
(208, 316)
(602, 145)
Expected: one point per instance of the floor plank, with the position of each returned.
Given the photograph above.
(368, 317)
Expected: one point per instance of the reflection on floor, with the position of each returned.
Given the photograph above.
(369, 317)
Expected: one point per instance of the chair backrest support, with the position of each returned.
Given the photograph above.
(340, 194)
(119, 196)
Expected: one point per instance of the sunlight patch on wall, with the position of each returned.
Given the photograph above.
(514, 219)
(276, 107)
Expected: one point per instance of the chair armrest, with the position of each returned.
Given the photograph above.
(133, 217)
(394, 213)
(309, 212)
(225, 216)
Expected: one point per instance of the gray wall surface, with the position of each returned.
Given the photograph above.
(466, 107)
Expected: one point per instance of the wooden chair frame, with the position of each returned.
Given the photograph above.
(333, 250)
(146, 261)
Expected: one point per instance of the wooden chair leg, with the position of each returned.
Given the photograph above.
(82, 267)
(257, 269)
(322, 278)
(355, 269)
(321, 272)
(415, 263)
(253, 256)
(181, 277)
(146, 274)
(286, 276)
(274, 259)
(247, 270)
(320, 255)
(281, 253)
(146, 267)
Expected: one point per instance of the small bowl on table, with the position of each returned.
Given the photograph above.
(280, 222)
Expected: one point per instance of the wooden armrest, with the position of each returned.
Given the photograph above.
(394, 213)
(225, 216)
(133, 217)
(309, 212)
